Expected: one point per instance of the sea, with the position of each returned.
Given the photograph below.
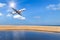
(28, 35)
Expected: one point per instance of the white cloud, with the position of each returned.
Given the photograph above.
(2, 4)
(1, 14)
(9, 15)
(16, 16)
(53, 6)
(19, 17)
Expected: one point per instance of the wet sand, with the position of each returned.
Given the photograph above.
(31, 28)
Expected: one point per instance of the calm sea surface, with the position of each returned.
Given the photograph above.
(28, 35)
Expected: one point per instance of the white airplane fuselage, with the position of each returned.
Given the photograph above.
(17, 11)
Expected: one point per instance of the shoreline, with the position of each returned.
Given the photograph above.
(32, 28)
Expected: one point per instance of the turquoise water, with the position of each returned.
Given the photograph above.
(28, 35)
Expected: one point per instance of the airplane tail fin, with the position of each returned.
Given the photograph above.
(23, 9)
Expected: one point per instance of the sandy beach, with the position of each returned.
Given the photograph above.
(31, 28)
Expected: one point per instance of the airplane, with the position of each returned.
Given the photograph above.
(18, 11)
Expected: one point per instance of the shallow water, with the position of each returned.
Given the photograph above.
(28, 35)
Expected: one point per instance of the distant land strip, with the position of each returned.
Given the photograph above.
(55, 29)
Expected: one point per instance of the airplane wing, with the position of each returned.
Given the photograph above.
(14, 9)
(22, 9)
(20, 14)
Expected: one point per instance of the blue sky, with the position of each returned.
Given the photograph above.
(38, 12)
